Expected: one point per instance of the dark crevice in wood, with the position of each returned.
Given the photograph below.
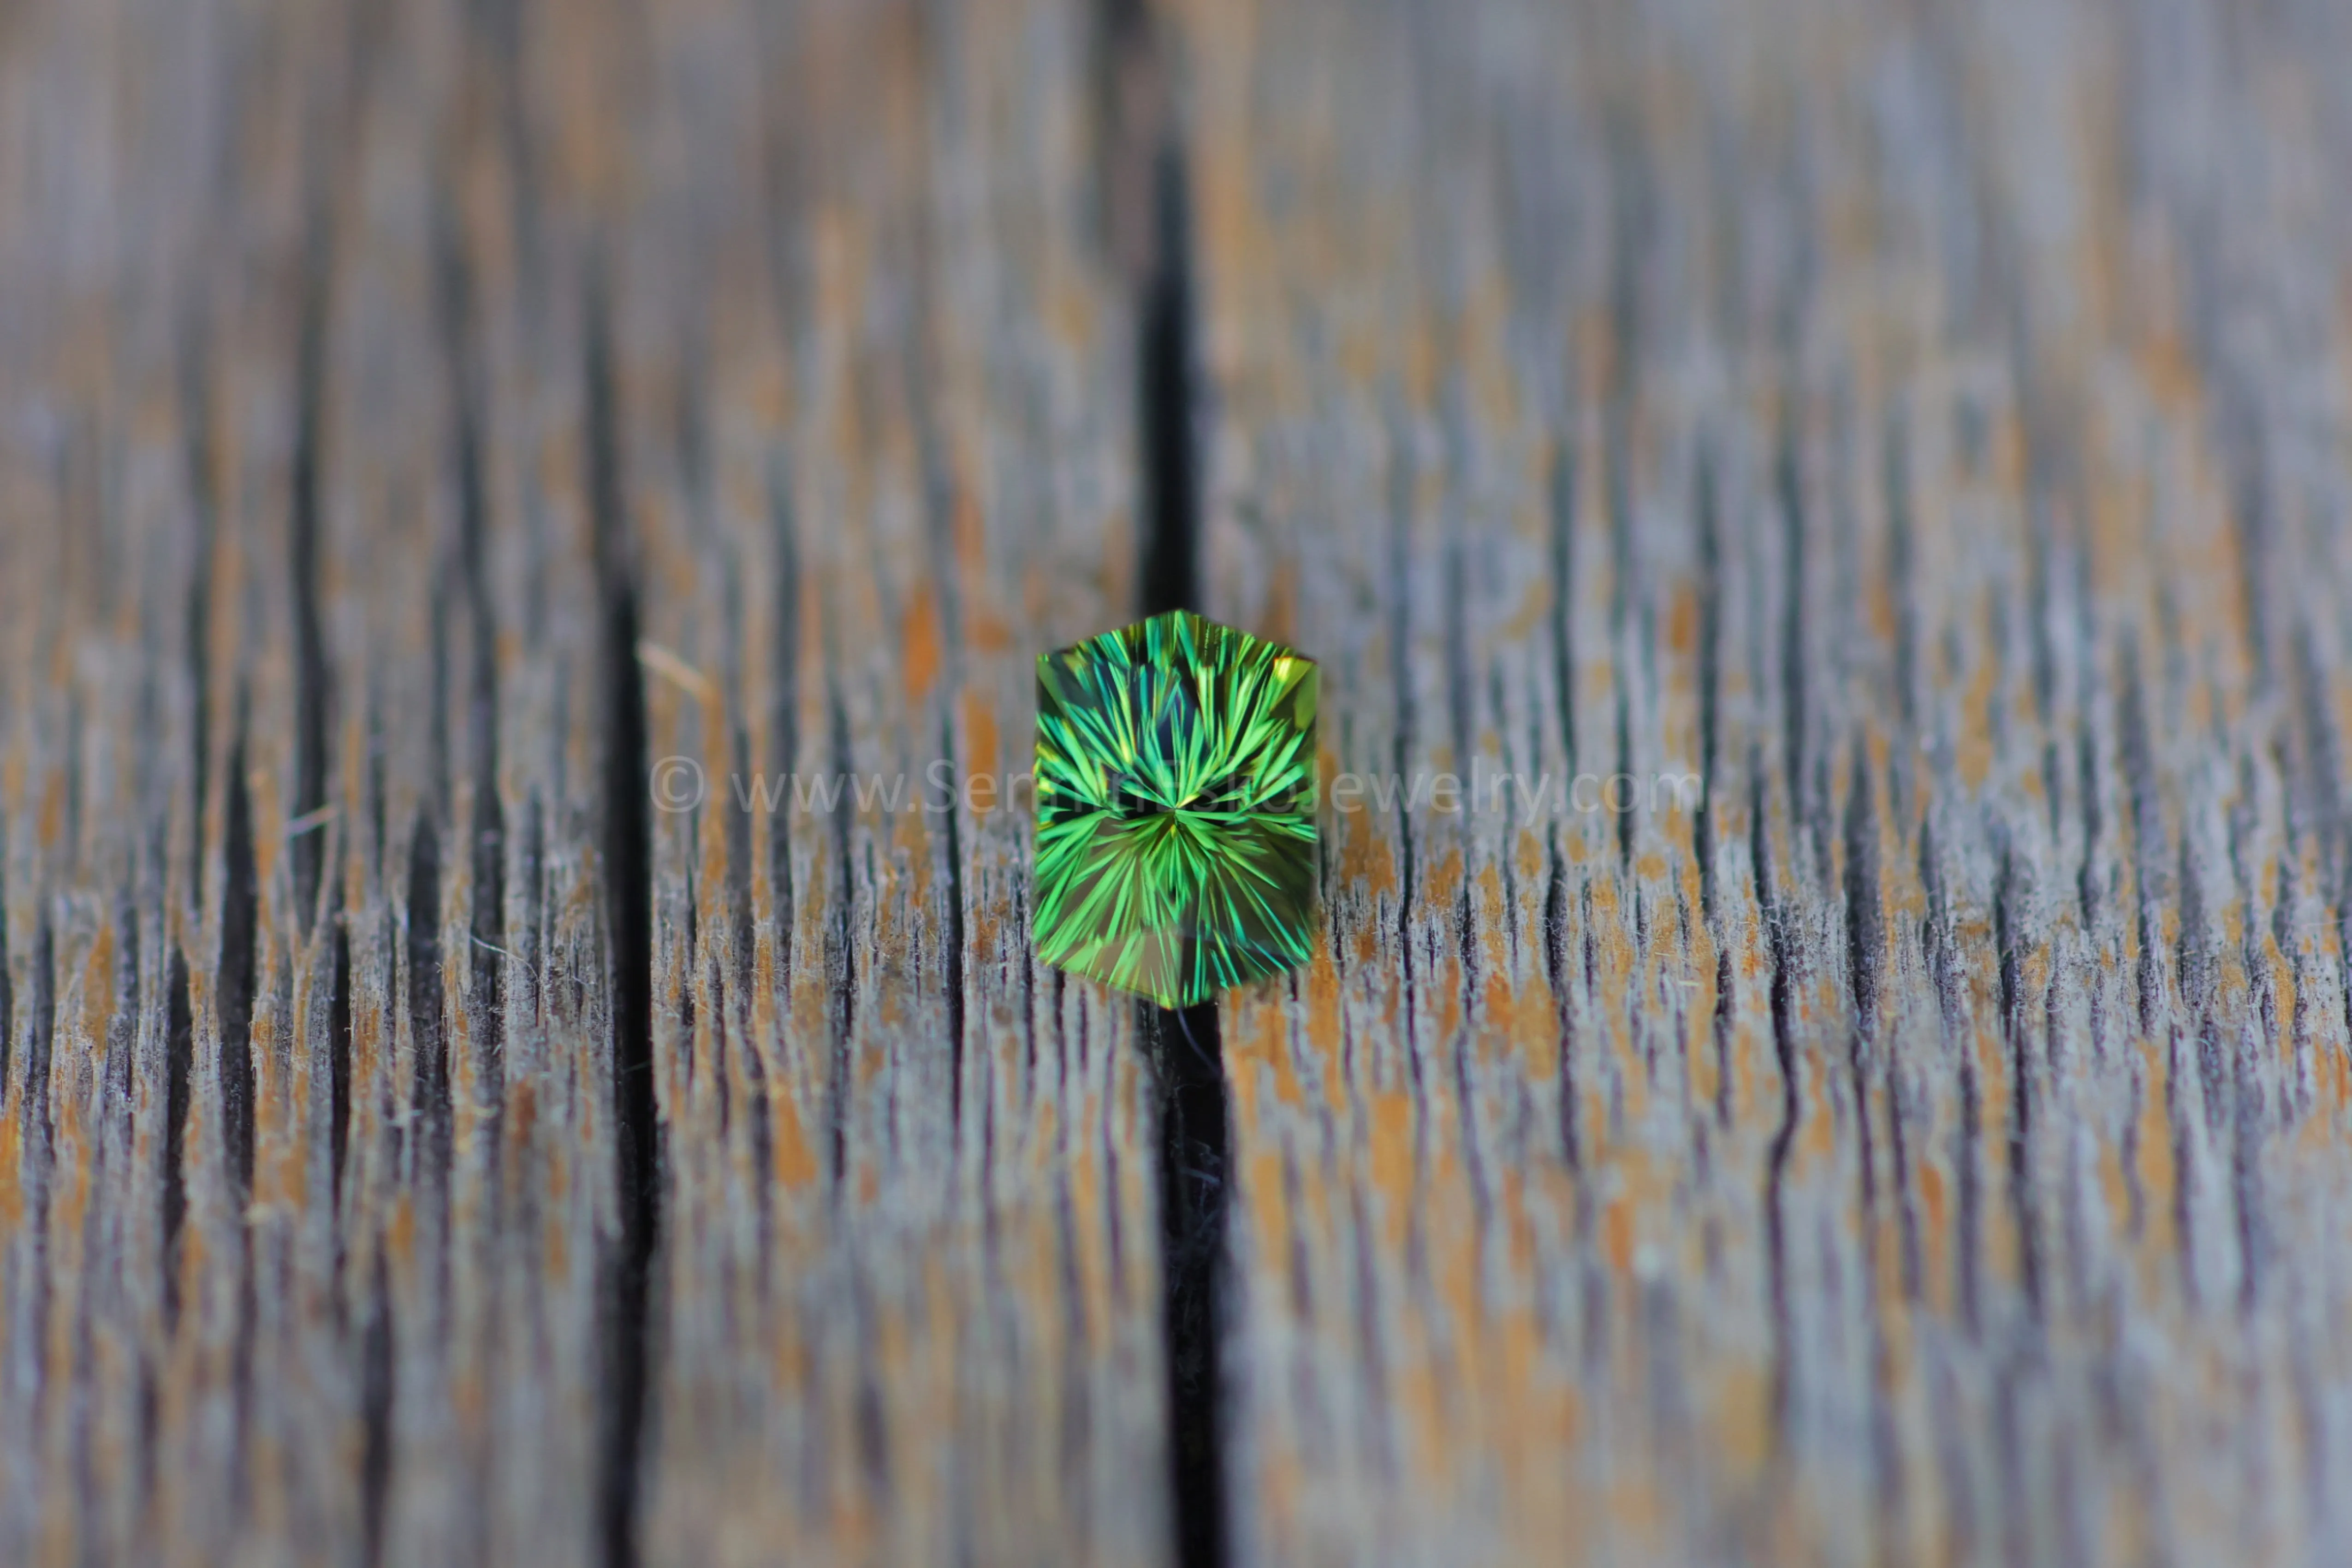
(1164, 403)
(1725, 998)
(1630, 238)
(1901, 1163)
(426, 1024)
(40, 1040)
(985, 1097)
(1400, 576)
(1780, 942)
(1193, 1193)
(313, 676)
(197, 423)
(233, 989)
(1865, 945)
(938, 522)
(1462, 707)
(1474, 1161)
(2146, 828)
(29, 1235)
(467, 441)
(233, 985)
(1709, 506)
(784, 714)
(1624, 768)
(2199, 970)
(954, 943)
(690, 951)
(531, 927)
(1788, 490)
(1194, 1109)
(1710, 680)
(179, 1061)
(338, 1068)
(744, 934)
(379, 839)
(740, 928)
(2007, 899)
(1556, 927)
(1946, 971)
(1900, 570)
(376, 1384)
(627, 855)
(842, 962)
(1563, 595)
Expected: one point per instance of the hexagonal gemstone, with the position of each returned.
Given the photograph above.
(1175, 789)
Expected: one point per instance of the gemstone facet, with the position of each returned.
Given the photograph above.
(1175, 787)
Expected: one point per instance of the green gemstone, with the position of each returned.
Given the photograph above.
(1175, 809)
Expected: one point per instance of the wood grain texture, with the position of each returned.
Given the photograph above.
(476, 479)
(908, 1227)
(383, 378)
(1927, 424)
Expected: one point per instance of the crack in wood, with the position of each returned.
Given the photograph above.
(1193, 1111)
(628, 889)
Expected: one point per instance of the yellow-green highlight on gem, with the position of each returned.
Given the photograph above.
(1175, 789)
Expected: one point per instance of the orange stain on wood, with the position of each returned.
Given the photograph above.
(1617, 1234)
(979, 742)
(1265, 1041)
(400, 1236)
(985, 632)
(918, 644)
(2335, 1080)
(1682, 622)
(1818, 1143)
(1701, 1000)
(53, 809)
(1323, 1036)
(97, 984)
(1367, 855)
(12, 1166)
(1974, 751)
(1935, 1207)
(1389, 1127)
(1741, 1405)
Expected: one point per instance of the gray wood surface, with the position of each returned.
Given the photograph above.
(473, 476)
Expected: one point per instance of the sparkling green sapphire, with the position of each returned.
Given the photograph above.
(1175, 808)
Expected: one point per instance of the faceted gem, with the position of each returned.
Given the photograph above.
(1175, 789)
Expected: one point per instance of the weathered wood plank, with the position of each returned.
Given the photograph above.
(1924, 1152)
(382, 378)
(912, 1300)
(475, 477)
